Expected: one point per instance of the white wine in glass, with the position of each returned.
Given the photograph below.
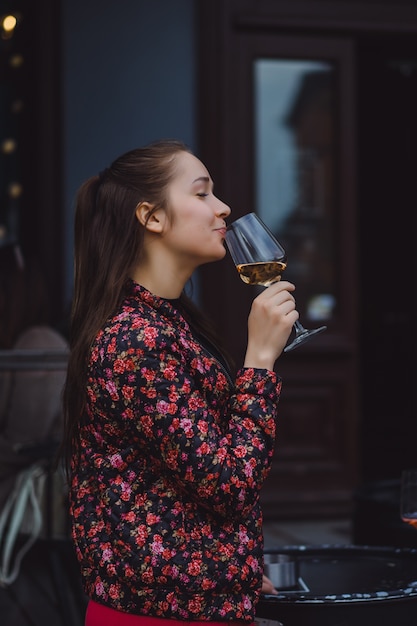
(409, 497)
(260, 260)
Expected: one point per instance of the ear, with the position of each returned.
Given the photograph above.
(153, 222)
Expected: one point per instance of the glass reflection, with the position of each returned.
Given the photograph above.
(295, 173)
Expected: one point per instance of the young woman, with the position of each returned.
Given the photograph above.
(168, 451)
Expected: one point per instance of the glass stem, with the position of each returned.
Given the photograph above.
(299, 328)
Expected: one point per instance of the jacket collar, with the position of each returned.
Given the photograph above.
(167, 307)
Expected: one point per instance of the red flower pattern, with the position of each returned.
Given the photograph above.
(165, 497)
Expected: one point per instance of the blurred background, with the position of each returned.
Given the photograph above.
(303, 112)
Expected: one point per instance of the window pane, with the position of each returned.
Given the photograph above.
(295, 170)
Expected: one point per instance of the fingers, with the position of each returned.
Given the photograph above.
(267, 586)
(276, 301)
(281, 287)
(270, 322)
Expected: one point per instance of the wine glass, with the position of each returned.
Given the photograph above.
(409, 497)
(261, 260)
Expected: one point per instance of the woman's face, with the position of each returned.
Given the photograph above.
(196, 229)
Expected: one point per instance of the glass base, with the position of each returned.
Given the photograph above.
(303, 336)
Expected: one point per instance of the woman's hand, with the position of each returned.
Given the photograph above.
(270, 321)
(267, 586)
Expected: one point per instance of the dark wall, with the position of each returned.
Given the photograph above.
(128, 72)
(387, 218)
(30, 210)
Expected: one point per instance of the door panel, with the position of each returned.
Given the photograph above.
(295, 166)
(314, 464)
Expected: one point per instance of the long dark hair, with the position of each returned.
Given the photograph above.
(108, 243)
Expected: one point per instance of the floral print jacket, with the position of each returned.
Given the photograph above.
(165, 499)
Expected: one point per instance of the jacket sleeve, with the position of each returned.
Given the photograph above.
(219, 456)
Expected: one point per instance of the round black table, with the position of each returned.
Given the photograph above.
(346, 586)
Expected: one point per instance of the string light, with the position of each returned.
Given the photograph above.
(11, 188)
(16, 106)
(15, 190)
(8, 145)
(8, 25)
(16, 60)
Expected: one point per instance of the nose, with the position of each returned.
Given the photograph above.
(222, 210)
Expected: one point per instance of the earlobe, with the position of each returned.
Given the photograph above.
(150, 219)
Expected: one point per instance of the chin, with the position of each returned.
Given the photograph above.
(218, 256)
(221, 255)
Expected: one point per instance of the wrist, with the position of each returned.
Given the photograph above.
(257, 360)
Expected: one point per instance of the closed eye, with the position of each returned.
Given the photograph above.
(202, 195)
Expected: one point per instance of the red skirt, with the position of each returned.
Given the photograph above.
(100, 615)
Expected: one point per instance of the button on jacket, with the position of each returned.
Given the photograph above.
(165, 499)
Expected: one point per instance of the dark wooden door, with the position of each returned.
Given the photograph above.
(320, 455)
(315, 465)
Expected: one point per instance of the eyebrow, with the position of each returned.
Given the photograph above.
(205, 179)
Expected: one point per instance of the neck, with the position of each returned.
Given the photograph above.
(161, 278)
